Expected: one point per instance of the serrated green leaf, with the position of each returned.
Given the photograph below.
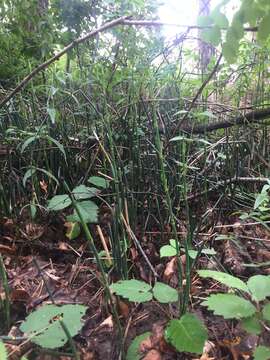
(83, 192)
(259, 286)
(167, 250)
(224, 278)
(88, 211)
(264, 28)
(212, 35)
(164, 293)
(252, 325)
(229, 306)
(59, 202)
(44, 328)
(187, 334)
(266, 312)
(99, 182)
(134, 290)
(133, 350)
(262, 353)
(3, 351)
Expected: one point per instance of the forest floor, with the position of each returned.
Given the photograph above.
(38, 256)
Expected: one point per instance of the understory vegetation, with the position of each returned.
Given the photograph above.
(134, 182)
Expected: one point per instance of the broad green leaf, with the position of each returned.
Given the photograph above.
(99, 182)
(133, 350)
(224, 278)
(264, 28)
(59, 202)
(259, 286)
(229, 306)
(252, 325)
(230, 51)
(82, 192)
(88, 211)
(219, 18)
(28, 142)
(262, 353)
(187, 334)
(261, 198)
(73, 230)
(236, 30)
(164, 293)
(193, 253)
(3, 351)
(134, 290)
(29, 173)
(44, 328)
(212, 35)
(266, 312)
(167, 250)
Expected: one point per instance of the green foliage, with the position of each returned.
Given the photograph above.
(133, 350)
(43, 326)
(134, 290)
(187, 334)
(250, 12)
(99, 181)
(229, 306)
(59, 202)
(170, 250)
(266, 312)
(262, 353)
(164, 293)
(259, 286)
(88, 210)
(224, 278)
(139, 291)
(232, 306)
(252, 325)
(3, 351)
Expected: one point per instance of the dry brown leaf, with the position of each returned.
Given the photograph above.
(170, 269)
(123, 309)
(107, 322)
(153, 355)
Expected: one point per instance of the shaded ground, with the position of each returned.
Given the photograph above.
(39, 257)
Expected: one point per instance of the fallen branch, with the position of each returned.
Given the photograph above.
(234, 180)
(251, 117)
